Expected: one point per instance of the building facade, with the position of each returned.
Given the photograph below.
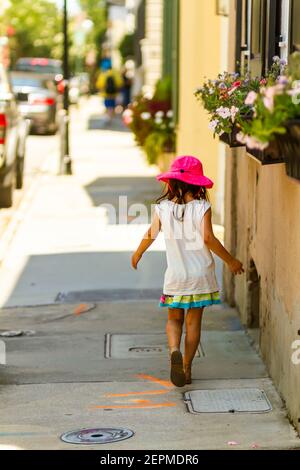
(203, 52)
(262, 208)
(148, 44)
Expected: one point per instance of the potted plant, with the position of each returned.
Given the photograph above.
(272, 136)
(160, 144)
(151, 121)
(289, 143)
(229, 103)
(224, 100)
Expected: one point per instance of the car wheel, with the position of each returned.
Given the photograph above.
(6, 196)
(19, 172)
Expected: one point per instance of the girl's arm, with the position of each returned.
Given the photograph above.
(235, 266)
(149, 237)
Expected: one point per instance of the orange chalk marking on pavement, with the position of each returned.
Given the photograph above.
(80, 309)
(141, 402)
(132, 394)
(164, 383)
(120, 407)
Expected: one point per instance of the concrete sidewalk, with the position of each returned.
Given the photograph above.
(98, 353)
(60, 380)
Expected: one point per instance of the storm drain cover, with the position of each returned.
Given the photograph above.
(244, 400)
(96, 436)
(123, 346)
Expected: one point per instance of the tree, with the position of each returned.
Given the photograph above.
(97, 12)
(37, 28)
(126, 46)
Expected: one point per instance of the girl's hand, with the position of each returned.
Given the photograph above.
(236, 267)
(136, 257)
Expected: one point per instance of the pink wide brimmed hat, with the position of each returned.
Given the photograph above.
(189, 170)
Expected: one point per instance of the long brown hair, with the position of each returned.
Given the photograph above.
(176, 191)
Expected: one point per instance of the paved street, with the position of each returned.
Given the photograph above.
(97, 354)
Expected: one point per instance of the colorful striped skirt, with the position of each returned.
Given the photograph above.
(190, 301)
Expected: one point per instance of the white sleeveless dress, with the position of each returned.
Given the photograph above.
(190, 279)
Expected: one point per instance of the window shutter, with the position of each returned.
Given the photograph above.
(171, 48)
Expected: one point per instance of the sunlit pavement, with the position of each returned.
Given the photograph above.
(66, 277)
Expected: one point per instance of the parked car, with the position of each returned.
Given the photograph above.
(41, 65)
(13, 133)
(38, 100)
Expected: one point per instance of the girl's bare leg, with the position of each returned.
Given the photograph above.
(193, 323)
(174, 333)
(174, 328)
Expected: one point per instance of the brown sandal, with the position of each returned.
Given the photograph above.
(177, 373)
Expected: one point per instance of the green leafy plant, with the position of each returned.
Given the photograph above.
(225, 99)
(152, 122)
(163, 137)
(126, 47)
(273, 106)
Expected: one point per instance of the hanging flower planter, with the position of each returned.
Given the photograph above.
(270, 156)
(289, 145)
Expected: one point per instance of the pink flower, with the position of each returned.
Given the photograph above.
(234, 111)
(251, 98)
(127, 117)
(270, 93)
(213, 124)
(224, 112)
(251, 142)
(269, 103)
(235, 86)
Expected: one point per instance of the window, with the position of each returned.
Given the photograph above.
(295, 26)
(242, 35)
(256, 28)
(258, 33)
(274, 31)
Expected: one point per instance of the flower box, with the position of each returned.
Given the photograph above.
(270, 156)
(231, 139)
(289, 145)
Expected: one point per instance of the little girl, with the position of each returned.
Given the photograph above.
(184, 214)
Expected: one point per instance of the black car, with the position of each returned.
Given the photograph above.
(13, 133)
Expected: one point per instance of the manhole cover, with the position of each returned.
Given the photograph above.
(96, 436)
(124, 346)
(244, 400)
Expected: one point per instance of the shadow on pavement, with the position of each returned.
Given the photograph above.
(138, 190)
(100, 122)
(92, 276)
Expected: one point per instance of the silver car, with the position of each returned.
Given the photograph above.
(37, 99)
(13, 133)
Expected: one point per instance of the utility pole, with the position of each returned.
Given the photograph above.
(66, 162)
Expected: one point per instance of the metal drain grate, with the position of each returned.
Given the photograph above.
(96, 436)
(244, 400)
(122, 346)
